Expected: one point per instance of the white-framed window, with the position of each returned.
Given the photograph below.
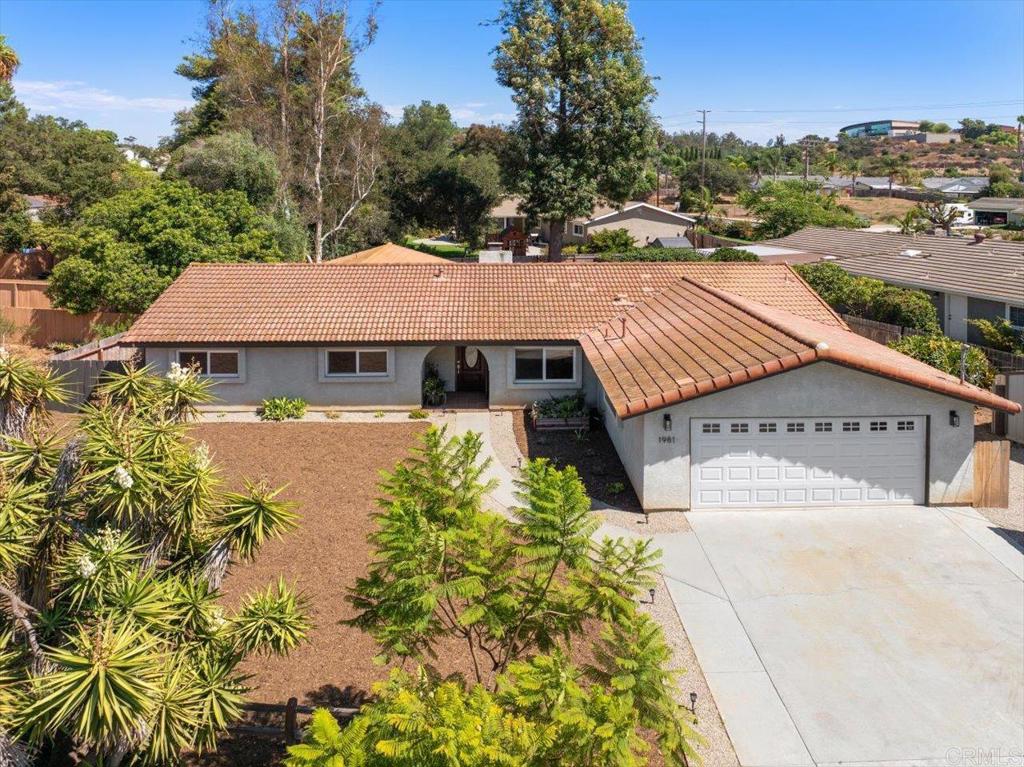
(545, 364)
(1016, 316)
(212, 363)
(356, 363)
(577, 230)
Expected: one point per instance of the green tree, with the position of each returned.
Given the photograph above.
(939, 214)
(583, 129)
(229, 161)
(893, 166)
(1000, 334)
(784, 207)
(945, 354)
(9, 61)
(124, 251)
(112, 544)
(517, 595)
(720, 177)
(460, 194)
(611, 241)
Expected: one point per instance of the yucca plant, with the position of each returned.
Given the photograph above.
(112, 639)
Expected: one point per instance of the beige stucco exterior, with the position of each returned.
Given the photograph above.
(660, 469)
(645, 224)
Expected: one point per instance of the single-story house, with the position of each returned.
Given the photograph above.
(388, 253)
(993, 211)
(506, 215)
(721, 385)
(644, 222)
(967, 278)
(958, 187)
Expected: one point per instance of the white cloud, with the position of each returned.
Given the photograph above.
(57, 95)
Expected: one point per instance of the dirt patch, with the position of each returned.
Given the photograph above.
(332, 471)
(593, 455)
(879, 209)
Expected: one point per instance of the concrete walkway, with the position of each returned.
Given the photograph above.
(503, 496)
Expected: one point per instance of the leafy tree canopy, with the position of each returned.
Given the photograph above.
(944, 353)
(583, 128)
(228, 161)
(124, 251)
(517, 594)
(678, 254)
(784, 207)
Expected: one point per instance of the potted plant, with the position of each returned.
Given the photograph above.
(568, 412)
(434, 393)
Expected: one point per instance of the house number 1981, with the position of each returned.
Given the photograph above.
(667, 440)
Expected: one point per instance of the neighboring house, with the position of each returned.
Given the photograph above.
(39, 204)
(506, 215)
(672, 242)
(967, 279)
(882, 128)
(834, 183)
(644, 222)
(958, 187)
(721, 385)
(995, 211)
(388, 253)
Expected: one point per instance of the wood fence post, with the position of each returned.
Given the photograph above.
(291, 721)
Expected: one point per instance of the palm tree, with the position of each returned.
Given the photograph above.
(9, 61)
(832, 162)
(892, 166)
(854, 168)
(705, 204)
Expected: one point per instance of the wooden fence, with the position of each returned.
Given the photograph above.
(85, 365)
(884, 333)
(992, 473)
(276, 721)
(26, 305)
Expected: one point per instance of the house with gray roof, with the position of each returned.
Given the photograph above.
(995, 211)
(956, 187)
(967, 279)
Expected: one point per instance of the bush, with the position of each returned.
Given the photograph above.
(418, 415)
(433, 387)
(282, 408)
(784, 207)
(569, 406)
(1000, 334)
(611, 241)
(944, 353)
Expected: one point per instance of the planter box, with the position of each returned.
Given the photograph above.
(542, 423)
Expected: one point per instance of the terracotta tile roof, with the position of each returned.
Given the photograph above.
(309, 303)
(991, 269)
(691, 340)
(388, 253)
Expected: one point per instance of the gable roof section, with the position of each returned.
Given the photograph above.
(640, 206)
(692, 340)
(996, 204)
(991, 269)
(412, 303)
(388, 253)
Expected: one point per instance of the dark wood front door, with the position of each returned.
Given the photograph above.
(470, 377)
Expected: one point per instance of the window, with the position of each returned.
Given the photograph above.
(577, 230)
(904, 426)
(879, 426)
(795, 428)
(822, 426)
(766, 428)
(739, 428)
(556, 363)
(711, 428)
(1017, 316)
(212, 363)
(851, 426)
(357, 362)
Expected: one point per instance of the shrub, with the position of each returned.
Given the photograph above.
(1000, 334)
(282, 408)
(944, 353)
(570, 406)
(678, 254)
(419, 415)
(433, 386)
(784, 207)
(611, 241)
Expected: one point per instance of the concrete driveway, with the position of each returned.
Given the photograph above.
(856, 636)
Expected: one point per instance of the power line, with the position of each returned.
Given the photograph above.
(899, 107)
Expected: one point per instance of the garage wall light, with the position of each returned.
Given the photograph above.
(666, 422)
(954, 418)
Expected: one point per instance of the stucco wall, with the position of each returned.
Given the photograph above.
(296, 371)
(628, 438)
(819, 389)
(645, 225)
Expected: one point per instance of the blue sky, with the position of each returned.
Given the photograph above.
(761, 67)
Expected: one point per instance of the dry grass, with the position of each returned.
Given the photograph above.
(879, 210)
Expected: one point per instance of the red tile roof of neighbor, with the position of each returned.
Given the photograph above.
(692, 340)
(388, 253)
(402, 303)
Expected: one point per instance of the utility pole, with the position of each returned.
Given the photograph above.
(703, 141)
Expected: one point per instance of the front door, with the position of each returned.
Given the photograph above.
(470, 369)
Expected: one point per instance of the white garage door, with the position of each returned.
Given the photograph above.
(740, 462)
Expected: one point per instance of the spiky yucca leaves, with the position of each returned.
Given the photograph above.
(271, 622)
(123, 649)
(25, 388)
(174, 397)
